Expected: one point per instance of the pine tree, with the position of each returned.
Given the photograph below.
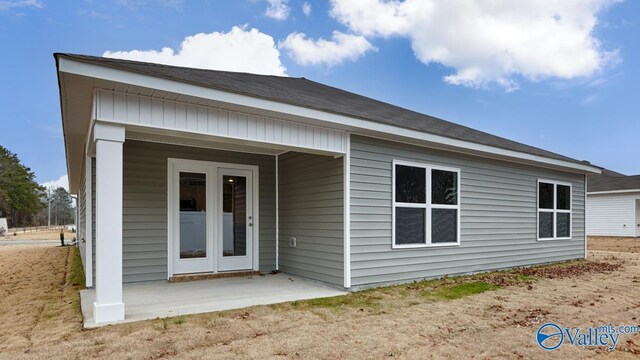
(20, 195)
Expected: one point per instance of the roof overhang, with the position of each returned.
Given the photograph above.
(78, 79)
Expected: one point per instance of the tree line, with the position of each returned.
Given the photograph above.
(26, 203)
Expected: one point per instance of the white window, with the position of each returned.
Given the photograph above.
(426, 205)
(554, 210)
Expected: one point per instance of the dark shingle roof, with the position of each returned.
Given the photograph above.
(313, 95)
(612, 181)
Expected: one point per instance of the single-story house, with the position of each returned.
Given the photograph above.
(613, 204)
(188, 171)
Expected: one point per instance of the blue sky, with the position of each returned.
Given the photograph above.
(543, 93)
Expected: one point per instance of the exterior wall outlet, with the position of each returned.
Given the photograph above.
(292, 241)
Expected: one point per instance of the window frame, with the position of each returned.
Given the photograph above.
(428, 206)
(555, 210)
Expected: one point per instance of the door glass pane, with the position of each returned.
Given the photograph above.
(564, 225)
(234, 216)
(410, 226)
(193, 215)
(444, 187)
(444, 226)
(563, 201)
(545, 225)
(410, 184)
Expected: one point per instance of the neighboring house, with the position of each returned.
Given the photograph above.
(196, 171)
(613, 204)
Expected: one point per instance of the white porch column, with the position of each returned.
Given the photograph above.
(108, 306)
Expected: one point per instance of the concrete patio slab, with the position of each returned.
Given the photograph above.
(159, 299)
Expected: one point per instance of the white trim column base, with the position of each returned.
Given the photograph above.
(108, 312)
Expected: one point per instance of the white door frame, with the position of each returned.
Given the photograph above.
(172, 165)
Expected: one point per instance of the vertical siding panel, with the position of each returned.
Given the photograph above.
(136, 109)
(192, 118)
(252, 127)
(223, 124)
(242, 125)
(233, 124)
(169, 110)
(106, 105)
(202, 120)
(260, 135)
(145, 111)
(308, 135)
(181, 117)
(268, 130)
(119, 107)
(157, 113)
(212, 119)
(277, 132)
(286, 133)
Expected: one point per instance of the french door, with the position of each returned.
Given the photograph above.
(211, 222)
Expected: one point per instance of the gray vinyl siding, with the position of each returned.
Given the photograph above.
(311, 210)
(498, 216)
(145, 205)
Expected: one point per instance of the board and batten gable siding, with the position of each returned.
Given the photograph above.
(147, 111)
(311, 210)
(498, 216)
(144, 234)
(611, 214)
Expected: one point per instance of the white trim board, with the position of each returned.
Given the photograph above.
(346, 195)
(614, 192)
(360, 126)
(88, 217)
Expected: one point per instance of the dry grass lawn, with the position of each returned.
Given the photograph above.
(39, 235)
(40, 316)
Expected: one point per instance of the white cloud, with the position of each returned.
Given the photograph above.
(62, 181)
(341, 47)
(14, 4)
(306, 8)
(238, 50)
(489, 41)
(278, 9)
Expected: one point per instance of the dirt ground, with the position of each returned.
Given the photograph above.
(40, 319)
(39, 235)
(604, 243)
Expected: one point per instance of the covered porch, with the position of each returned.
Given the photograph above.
(160, 299)
(150, 161)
